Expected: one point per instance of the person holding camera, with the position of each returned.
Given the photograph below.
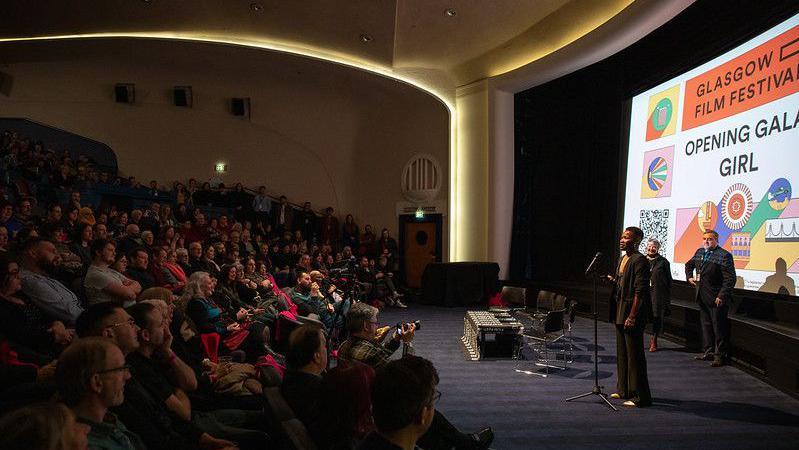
(367, 346)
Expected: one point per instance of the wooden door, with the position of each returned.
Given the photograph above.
(420, 240)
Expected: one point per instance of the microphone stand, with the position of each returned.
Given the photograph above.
(597, 389)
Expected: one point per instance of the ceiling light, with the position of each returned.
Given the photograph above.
(256, 7)
(449, 12)
(366, 38)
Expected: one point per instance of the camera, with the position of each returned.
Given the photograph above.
(417, 325)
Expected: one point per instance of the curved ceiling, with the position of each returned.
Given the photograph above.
(446, 43)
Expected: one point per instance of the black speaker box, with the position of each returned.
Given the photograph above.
(240, 107)
(125, 93)
(183, 96)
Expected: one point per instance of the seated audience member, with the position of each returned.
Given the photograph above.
(138, 265)
(174, 266)
(306, 359)
(39, 261)
(403, 404)
(140, 411)
(101, 231)
(384, 278)
(162, 275)
(170, 380)
(81, 244)
(219, 385)
(23, 322)
(309, 299)
(232, 326)
(130, 240)
(104, 284)
(364, 345)
(70, 265)
(158, 293)
(148, 239)
(42, 426)
(3, 239)
(91, 376)
(209, 264)
(183, 261)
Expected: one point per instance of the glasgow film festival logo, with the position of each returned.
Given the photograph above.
(662, 118)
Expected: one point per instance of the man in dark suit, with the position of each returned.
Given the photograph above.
(714, 280)
(630, 309)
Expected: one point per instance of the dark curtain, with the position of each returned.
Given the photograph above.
(571, 136)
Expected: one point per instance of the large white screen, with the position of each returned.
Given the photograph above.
(718, 147)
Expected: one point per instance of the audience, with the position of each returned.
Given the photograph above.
(149, 376)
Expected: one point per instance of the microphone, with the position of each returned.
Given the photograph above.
(592, 266)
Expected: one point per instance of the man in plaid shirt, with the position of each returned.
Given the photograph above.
(364, 346)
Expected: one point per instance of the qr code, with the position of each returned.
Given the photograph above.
(655, 225)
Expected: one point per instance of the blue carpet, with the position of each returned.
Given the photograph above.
(696, 406)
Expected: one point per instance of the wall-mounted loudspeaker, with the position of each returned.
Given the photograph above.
(182, 95)
(6, 80)
(240, 107)
(125, 92)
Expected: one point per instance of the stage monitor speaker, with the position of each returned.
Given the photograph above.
(240, 107)
(125, 93)
(6, 81)
(183, 96)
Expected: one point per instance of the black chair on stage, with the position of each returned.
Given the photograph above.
(514, 296)
(545, 301)
(544, 334)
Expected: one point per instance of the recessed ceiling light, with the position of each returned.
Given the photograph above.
(366, 38)
(257, 7)
(449, 12)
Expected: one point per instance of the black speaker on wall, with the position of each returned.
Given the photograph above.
(125, 92)
(6, 81)
(182, 96)
(240, 107)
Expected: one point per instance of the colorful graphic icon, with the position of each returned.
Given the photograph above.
(657, 173)
(662, 117)
(707, 216)
(779, 194)
(736, 206)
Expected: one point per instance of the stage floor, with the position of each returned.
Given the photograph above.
(695, 406)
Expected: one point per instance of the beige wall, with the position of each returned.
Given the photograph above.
(320, 132)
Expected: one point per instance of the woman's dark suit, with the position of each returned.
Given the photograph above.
(630, 357)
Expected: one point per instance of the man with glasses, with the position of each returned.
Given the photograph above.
(91, 376)
(403, 404)
(365, 346)
(714, 281)
(139, 411)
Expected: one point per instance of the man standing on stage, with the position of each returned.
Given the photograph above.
(630, 308)
(660, 291)
(714, 280)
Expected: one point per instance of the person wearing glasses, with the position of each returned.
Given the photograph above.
(140, 411)
(364, 346)
(91, 377)
(404, 400)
